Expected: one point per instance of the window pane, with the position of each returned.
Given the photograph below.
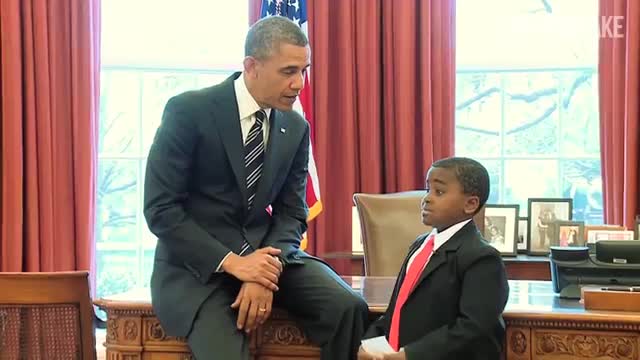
(582, 182)
(526, 179)
(579, 113)
(118, 201)
(478, 113)
(119, 113)
(493, 167)
(531, 117)
(115, 273)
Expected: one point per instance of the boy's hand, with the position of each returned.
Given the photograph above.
(395, 356)
(364, 355)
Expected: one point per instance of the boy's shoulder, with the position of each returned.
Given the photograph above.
(475, 247)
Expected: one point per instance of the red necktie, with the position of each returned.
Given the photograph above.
(410, 279)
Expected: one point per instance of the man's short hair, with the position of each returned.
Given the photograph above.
(266, 35)
(472, 175)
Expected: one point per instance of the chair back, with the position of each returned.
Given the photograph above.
(46, 316)
(389, 224)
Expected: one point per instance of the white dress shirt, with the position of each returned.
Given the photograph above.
(440, 239)
(247, 108)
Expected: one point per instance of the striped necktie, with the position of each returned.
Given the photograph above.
(253, 160)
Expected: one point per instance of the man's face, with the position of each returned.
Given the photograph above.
(445, 202)
(278, 79)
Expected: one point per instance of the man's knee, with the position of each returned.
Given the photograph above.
(348, 302)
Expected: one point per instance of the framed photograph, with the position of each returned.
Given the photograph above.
(501, 227)
(569, 233)
(523, 237)
(590, 231)
(543, 215)
(597, 235)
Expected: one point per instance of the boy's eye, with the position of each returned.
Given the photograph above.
(439, 192)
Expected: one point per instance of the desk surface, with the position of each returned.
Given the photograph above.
(528, 301)
(359, 255)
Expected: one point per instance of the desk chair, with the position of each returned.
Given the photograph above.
(389, 224)
(46, 316)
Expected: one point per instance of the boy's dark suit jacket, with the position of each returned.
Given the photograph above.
(196, 197)
(455, 310)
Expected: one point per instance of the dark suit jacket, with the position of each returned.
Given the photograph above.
(195, 197)
(455, 310)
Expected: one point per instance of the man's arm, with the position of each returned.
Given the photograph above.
(483, 298)
(290, 210)
(166, 187)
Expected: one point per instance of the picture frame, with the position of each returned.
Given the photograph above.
(598, 235)
(588, 229)
(523, 235)
(570, 233)
(543, 215)
(501, 228)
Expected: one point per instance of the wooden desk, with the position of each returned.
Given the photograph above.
(521, 267)
(540, 326)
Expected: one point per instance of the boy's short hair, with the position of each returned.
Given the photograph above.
(472, 175)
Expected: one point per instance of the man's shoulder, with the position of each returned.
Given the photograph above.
(198, 96)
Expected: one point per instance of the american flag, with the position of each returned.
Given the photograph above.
(296, 10)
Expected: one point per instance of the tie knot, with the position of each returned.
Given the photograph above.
(261, 115)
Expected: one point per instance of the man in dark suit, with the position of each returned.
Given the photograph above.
(225, 195)
(452, 288)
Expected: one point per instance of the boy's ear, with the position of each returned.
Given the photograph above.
(471, 205)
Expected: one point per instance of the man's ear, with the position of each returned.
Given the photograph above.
(471, 205)
(249, 64)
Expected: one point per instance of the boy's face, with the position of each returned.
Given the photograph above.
(445, 202)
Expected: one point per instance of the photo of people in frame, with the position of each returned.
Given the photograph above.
(501, 227)
(544, 215)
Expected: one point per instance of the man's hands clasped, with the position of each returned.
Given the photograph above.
(261, 266)
(259, 273)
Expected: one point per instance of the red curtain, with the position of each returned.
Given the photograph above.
(49, 73)
(383, 80)
(619, 86)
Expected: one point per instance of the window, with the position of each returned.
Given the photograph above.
(527, 99)
(151, 50)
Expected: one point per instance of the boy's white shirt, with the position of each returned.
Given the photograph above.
(440, 239)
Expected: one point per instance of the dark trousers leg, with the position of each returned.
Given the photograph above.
(331, 313)
(214, 335)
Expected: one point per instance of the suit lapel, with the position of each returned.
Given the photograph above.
(228, 123)
(439, 257)
(274, 153)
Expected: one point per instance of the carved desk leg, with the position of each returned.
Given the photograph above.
(518, 343)
(124, 336)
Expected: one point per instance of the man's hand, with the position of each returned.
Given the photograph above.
(262, 267)
(364, 355)
(254, 303)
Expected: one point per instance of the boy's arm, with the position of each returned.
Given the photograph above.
(377, 328)
(483, 296)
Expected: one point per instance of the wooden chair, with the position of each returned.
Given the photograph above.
(46, 316)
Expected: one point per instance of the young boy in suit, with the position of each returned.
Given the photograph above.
(452, 287)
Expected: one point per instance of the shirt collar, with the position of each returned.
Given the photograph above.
(444, 236)
(247, 105)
